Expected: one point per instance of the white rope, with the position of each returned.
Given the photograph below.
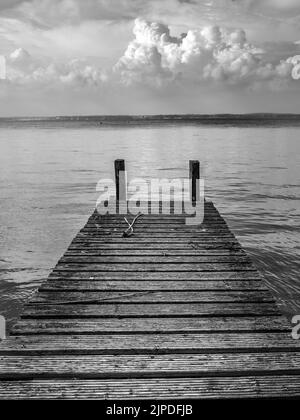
(129, 231)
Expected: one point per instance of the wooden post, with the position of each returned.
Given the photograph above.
(194, 176)
(120, 177)
(2, 328)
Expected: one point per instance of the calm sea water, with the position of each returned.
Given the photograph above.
(49, 172)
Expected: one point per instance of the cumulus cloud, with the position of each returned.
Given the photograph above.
(23, 69)
(208, 54)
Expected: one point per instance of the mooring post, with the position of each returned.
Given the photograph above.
(121, 182)
(2, 328)
(194, 180)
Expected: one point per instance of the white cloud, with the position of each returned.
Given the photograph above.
(23, 69)
(102, 41)
(209, 54)
(208, 69)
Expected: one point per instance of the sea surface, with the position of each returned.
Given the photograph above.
(49, 169)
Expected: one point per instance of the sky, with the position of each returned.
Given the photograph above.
(75, 57)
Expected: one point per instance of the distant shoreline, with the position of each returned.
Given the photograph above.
(258, 119)
(160, 117)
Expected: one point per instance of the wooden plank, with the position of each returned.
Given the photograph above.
(155, 223)
(179, 220)
(165, 237)
(157, 247)
(154, 276)
(174, 325)
(91, 252)
(165, 212)
(164, 242)
(151, 227)
(277, 386)
(68, 297)
(147, 366)
(156, 218)
(181, 217)
(152, 221)
(150, 310)
(109, 285)
(205, 229)
(176, 267)
(176, 303)
(165, 227)
(146, 259)
(208, 232)
(149, 344)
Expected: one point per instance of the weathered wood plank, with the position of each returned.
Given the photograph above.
(110, 285)
(90, 252)
(135, 267)
(161, 389)
(209, 226)
(209, 223)
(68, 297)
(150, 310)
(199, 230)
(141, 366)
(154, 221)
(146, 259)
(179, 325)
(169, 233)
(157, 246)
(197, 241)
(155, 276)
(149, 344)
(173, 301)
(160, 214)
(208, 214)
(227, 243)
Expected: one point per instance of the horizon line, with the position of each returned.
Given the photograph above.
(145, 116)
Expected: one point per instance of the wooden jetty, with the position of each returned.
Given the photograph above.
(172, 312)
